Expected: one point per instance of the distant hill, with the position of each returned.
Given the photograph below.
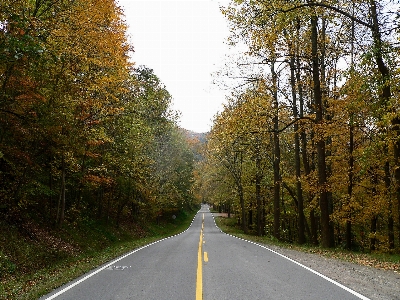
(197, 142)
(202, 137)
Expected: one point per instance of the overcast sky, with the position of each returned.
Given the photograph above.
(184, 42)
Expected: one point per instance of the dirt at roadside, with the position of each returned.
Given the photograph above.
(368, 281)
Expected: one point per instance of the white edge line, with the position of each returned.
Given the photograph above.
(92, 274)
(305, 267)
(105, 267)
(317, 273)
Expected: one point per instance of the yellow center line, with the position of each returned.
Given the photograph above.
(205, 256)
(199, 281)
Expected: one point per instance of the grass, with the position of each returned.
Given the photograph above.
(30, 268)
(384, 261)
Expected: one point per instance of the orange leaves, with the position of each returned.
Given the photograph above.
(92, 154)
(98, 180)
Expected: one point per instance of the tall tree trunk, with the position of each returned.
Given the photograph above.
(351, 149)
(312, 232)
(390, 213)
(326, 240)
(250, 220)
(61, 202)
(243, 207)
(350, 183)
(258, 191)
(326, 116)
(314, 229)
(238, 179)
(384, 97)
(277, 155)
(299, 191)
(372, 240)
(374, 182)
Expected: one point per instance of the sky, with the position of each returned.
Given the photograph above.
(184, 42)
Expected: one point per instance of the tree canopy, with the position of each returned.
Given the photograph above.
(323, 147)
(83, 131)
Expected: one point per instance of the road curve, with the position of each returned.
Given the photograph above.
(229, 268)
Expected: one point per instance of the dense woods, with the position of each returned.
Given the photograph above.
(307, 148)
(84, 133)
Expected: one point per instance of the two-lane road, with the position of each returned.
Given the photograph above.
(202, 263)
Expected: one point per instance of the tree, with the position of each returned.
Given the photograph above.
(313, 38)
(81, 131)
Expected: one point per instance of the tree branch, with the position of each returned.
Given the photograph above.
(319, 4)
(342, 12)
(13, 113)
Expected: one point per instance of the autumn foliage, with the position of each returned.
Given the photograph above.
(83, 132)
(310, 140)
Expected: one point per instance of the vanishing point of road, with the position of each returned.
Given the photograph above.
(203, 263)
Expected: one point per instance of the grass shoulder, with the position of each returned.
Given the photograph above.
(33, 264)
(386, 261)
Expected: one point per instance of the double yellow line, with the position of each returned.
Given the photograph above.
(199, 281)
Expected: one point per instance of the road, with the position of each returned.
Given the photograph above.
(203, 263)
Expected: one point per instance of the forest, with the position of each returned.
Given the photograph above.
(307, 147)
(84, 132)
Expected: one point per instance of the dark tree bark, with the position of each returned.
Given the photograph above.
(243, 207)
(277, 155)
(374, 220)
(372, 240)
(258, 192)
(326, 240)
(384, 97)
(299, 191)
(312, 231)
(350, 184)
(61, 201)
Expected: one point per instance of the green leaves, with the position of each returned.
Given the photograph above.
(80, 129)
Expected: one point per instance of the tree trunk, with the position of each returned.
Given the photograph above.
(326, 240)
(303, 143)
(314, 231)
(237, 175)
(350, 184)
(372, 240)
(384, 97)
(243, 207)
(277, 155)
(351, 150)
(328, 117)
(258, 193)
(61, 202)
(299, 191)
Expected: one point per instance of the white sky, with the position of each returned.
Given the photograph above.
(183, 42)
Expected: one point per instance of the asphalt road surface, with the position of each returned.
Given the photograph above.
(203, 263)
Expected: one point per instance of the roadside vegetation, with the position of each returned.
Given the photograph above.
(379, 260)
(37, 263)
(307, 147)
(93, 162)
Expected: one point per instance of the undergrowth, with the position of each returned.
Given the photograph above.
(35, 260)
(386, 261)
